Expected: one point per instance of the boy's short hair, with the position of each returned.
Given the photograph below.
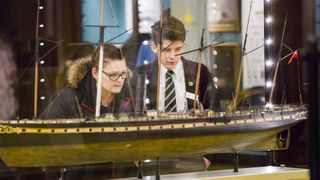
(172, 29)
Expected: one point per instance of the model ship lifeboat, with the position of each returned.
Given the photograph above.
(37, 143)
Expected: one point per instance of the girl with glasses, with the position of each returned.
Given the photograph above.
(78, 98)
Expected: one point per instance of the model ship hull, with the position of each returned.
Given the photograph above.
(35, 143)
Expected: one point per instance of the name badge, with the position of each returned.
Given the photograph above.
(191, 96)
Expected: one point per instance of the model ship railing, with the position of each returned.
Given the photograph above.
(276, 113)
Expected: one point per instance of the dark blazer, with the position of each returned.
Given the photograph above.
(206, 91)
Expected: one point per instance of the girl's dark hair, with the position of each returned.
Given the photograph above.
(109, 51)
(172, 29)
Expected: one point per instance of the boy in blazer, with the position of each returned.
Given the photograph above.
(184, 71)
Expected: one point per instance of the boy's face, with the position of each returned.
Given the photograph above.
(112, 68)
(169, 51)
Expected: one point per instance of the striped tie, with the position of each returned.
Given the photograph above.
(170, 98)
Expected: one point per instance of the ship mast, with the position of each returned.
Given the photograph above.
(159, 55)
(241, 61)
(36, 66)
(101, 39)
(278, 63)
(195, 102)
(101, 54)
(38, 58)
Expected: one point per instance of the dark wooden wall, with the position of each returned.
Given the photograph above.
(61, 20)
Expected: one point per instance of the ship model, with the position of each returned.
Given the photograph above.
(150, 135)
(38, 143)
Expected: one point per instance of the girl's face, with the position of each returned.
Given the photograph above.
(113, 76)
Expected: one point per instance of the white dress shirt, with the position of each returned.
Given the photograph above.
(179, 85)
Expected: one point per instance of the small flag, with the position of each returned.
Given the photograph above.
(295, 55)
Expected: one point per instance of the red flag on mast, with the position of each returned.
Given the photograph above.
(295, 55)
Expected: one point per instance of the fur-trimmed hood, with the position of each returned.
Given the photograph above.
(78, 70)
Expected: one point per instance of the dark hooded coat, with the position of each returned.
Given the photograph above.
(78, 98)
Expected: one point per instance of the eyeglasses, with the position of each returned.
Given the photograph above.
(115, 76)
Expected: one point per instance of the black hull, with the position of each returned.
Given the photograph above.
(27, 144)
